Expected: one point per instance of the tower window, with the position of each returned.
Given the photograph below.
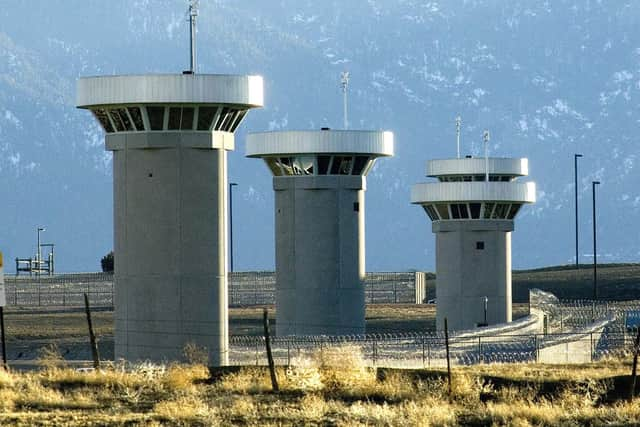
(480, 246)
(323, 164)
(431, 212)
(513, 211)
(174, 118)
(475, 210)
(156, 117)
(443, 211)
(187, 118)
(356, 207)
(101, 115)
(205, 117)
(360, 163)
(136, 115)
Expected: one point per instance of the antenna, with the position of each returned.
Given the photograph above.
(193, 13)
(458, 124)
(485, 137)
(345, 83)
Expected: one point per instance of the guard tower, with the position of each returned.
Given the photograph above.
(319, 182)
(170, 135)
(472, 208)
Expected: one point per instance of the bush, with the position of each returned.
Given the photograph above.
(107, 263)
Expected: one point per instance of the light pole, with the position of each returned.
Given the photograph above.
(486, 303)
(575, 177)
(231, 185)
(39, 252)
(595, 246)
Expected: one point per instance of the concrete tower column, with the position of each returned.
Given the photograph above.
(170, 136)
(319, 183)
(319, 254)
(473, 219)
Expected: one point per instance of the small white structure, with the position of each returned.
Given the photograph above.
(319, 182)
(170, 135)
(473, 219)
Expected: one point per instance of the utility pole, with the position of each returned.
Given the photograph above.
(595, 246)
(231, 185)
(575, 178)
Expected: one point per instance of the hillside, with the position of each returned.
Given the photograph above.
(548, 79)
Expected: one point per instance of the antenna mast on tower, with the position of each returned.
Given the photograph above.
(485, 137)
(345, 83)
(193, 13)
(458, 124)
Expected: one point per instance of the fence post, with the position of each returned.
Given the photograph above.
(395, 293)
(591, 346)
(288, 353)
(636, 347)
(423, 352)
(537, 348)
(92, 335)
(375, 350)
(257, 352)
(479, 350)
(446, 343)
(267, 339)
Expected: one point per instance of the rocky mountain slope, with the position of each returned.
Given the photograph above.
(548, 79)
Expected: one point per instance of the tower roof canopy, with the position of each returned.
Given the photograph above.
(269, 144)
(242, 91)
(473, 192)
(477, 166)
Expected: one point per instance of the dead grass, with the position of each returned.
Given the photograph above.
(332, 387)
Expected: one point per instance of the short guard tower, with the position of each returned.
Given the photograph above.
(319, 182)
(170, 135)
(472, 217)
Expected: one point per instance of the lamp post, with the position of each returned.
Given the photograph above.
(486, 303)
(231, 185)
(595, 246)
(575, 177)
(39, 249)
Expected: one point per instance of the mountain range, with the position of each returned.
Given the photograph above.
(547, 78)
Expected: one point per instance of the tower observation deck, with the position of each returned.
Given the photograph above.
(170, 135)
(473, 218)
(319, 178)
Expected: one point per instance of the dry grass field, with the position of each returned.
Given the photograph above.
(317, 392)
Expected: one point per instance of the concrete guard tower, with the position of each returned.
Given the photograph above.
(319, 182)
(473, 217)
(170, 135)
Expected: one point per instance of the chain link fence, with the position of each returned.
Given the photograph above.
(578, 331)
(429, 350)
(245, 289)
(63, 290)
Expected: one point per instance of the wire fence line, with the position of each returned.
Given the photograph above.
(245, 289)
(428, 350)
(575, 331)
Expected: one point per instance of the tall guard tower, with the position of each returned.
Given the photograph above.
(170, 135)
(319, 182)
(472, 208)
